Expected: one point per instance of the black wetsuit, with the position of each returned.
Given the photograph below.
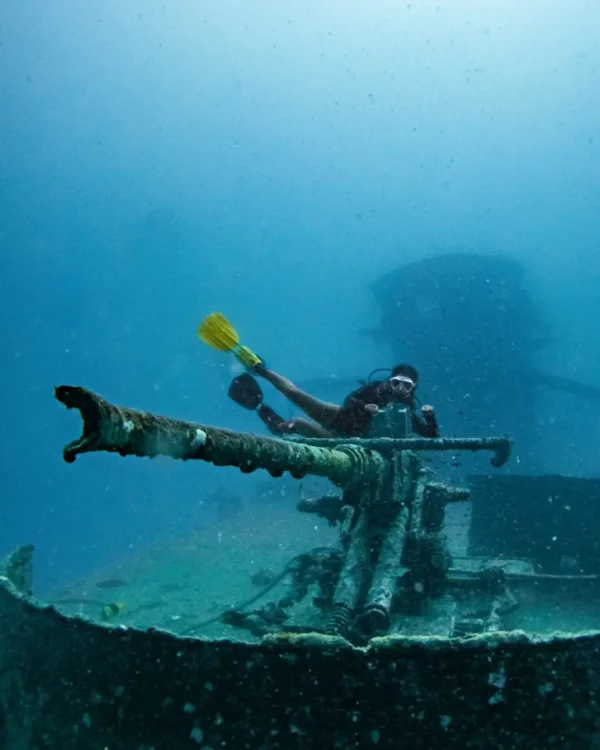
(354, 420)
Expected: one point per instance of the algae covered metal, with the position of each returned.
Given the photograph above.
(70, 684)
(394, 553)
(130, 432)
(408, 648)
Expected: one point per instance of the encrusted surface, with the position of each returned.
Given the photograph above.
(67, 683)
(130, 432)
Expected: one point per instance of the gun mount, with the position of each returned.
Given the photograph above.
(395, 559)
(411, 640)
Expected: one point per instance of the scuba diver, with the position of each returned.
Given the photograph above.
(350, 419)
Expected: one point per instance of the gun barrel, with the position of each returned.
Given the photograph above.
(129, 432)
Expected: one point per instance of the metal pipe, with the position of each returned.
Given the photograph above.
(396, 516)
(435, 498)
(501, 447)
(376, 617)
(351, 580)
(129, 432)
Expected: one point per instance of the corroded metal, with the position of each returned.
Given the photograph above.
(351, 579)
(403, 488)
(17, 567)
(130, 432)
(70, 684)
(396, 542)
(396, 535)
(500, 446)
(434, 500)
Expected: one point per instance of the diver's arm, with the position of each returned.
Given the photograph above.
(426, 426)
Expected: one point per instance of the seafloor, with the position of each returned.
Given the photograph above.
(175, 584)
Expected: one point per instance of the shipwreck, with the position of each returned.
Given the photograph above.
(405, 646)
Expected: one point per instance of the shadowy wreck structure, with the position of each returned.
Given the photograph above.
(471, 327)
(405, 646)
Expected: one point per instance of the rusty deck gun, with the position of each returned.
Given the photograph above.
(395, 555)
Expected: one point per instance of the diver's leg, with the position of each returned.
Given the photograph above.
(304, 428)
(321, 411)
(279, 426)
(272, 421)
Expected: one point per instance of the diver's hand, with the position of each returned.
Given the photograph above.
(427, 411)
(372, 409)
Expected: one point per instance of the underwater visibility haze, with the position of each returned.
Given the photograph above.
(354, 186)
(163, 160)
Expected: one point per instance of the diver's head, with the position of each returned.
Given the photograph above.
(403, 381)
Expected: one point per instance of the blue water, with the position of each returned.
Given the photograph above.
(163, 160)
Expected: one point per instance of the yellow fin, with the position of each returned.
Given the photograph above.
(216, 331)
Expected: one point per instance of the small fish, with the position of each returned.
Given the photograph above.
(111, 610)
(111, 583)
